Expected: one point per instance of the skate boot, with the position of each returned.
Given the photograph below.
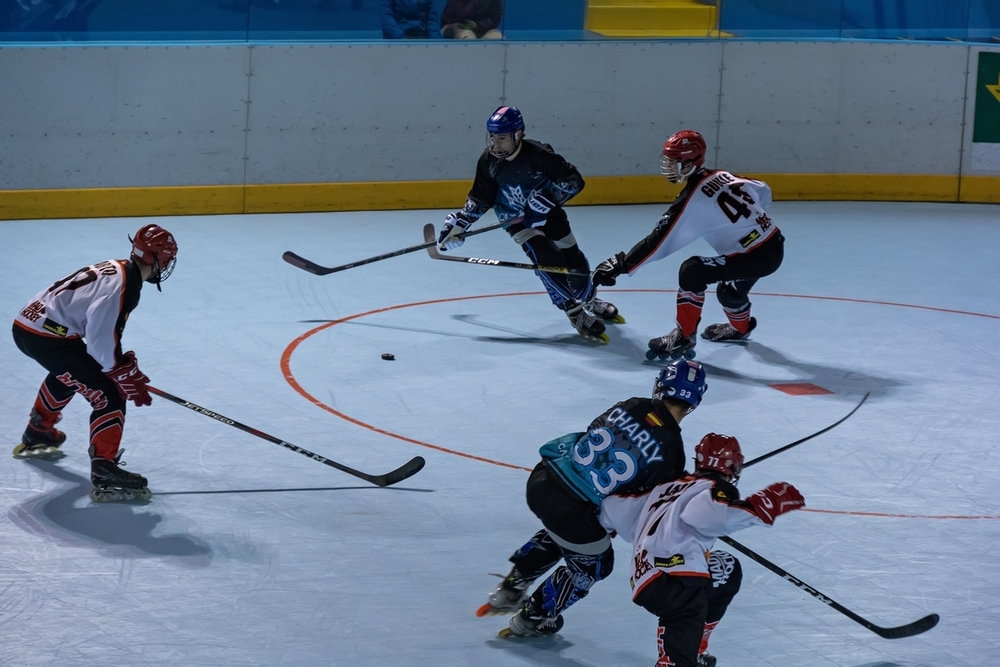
(508, 598)
(604, 310)
(528, 624)
(727, 333)
(706, 660)
(39, 441)
(585, 324)
(672, 346)
(112, 484)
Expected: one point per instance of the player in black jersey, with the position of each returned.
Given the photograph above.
(628, 449)
(526, 183)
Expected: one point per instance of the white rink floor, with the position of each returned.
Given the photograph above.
(250, 554)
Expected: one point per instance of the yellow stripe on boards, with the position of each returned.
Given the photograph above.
(451, 194)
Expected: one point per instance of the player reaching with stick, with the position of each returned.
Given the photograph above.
(526, 183)
(73, 329)
(731, 214)
(632, 446)
(673, 527)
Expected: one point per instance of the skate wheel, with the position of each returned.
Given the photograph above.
(689, 355)
(651, 355)
(22, 451)
(506, 633)
(617, 319)
(115, 495)
(603, 338)
(484, 610)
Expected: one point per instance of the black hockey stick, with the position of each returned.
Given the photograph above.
(898, 632)
(432, 250)
(808, 437)
(408, 469)
(313, 267)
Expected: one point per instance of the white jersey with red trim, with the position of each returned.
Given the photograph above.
(728, 211)
(92, 304)
(673, 527)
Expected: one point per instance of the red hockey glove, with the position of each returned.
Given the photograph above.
(131, 382)
(775, 500)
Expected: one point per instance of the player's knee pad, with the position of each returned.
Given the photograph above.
(731, 297)
(692, 276)
(593, 567)
(537, 555)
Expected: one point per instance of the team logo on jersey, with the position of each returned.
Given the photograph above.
(55, 328)
(749, 238)
(673, 561)
(515, 198)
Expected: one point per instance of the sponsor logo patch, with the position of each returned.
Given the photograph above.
(672, 561)
(55, 328)
(749, 238)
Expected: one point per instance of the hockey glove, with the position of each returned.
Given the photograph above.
(454, 226)
(775, 500)
(131, 382)
(537, 209)
(607, 272)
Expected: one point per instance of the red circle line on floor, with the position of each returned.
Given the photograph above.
(286, 357)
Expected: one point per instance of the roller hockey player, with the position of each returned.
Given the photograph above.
(73, 329)
(526, 184)
(633, 446)
(673, 527)
(731, 214)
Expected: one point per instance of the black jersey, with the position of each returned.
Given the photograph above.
(506, 185)
(628, 449)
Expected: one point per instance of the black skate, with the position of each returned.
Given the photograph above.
(706, 660)
(40, 442)
(527, 624)
(604, 310)
(727, 333)
(672, 346)
(112, 484)
(585, 323)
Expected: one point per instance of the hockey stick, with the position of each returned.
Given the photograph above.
(313, 267)
(910, 629)
(406, 470)
(808, 437)
(432, 250)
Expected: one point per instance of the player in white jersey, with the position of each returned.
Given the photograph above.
(73, 329)
(731, 214)
(672, 529)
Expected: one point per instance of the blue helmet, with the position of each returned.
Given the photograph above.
(505, 120)
(681, 380)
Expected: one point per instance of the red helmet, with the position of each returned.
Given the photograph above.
(683, 153)
(719, 453)
(155, 246)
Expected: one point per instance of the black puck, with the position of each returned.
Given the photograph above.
(388, 356)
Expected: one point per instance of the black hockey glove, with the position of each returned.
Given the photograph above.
(608, 271)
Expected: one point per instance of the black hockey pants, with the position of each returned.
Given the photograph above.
(738, 272)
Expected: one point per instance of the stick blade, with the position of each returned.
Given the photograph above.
(909, 630)
(405, 471)
(303, 263)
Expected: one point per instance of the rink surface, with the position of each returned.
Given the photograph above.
(251, 554)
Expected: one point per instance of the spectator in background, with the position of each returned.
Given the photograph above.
(410, 19)
(472, 19)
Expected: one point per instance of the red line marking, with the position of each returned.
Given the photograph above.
(290, 378)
